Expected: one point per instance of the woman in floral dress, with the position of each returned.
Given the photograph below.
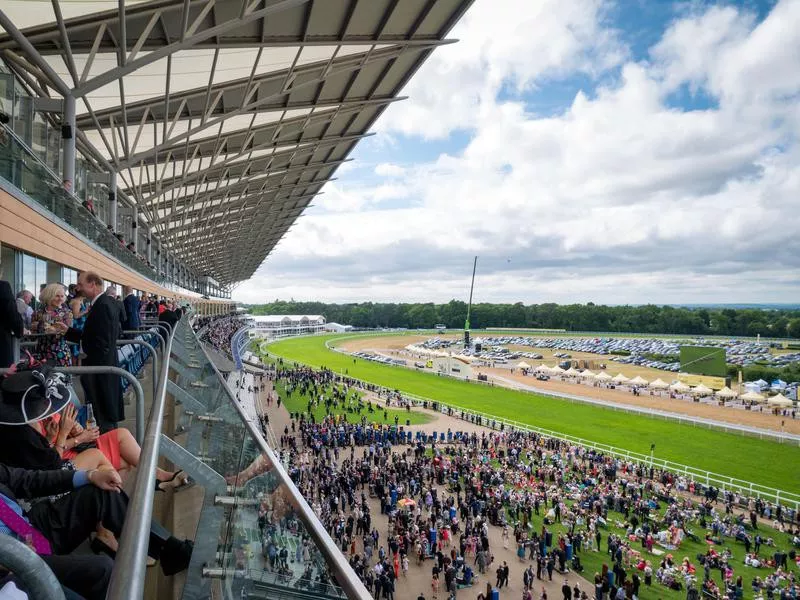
(53, 319)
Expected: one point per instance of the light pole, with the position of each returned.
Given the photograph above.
(652, 452)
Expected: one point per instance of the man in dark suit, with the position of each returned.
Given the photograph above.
(132, 306)
(11, 324)
(98, 340)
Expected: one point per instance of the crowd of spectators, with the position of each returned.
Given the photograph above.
(218, 330)
(442, 497)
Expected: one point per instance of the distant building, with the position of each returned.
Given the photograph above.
(286, 325)
(338, 327)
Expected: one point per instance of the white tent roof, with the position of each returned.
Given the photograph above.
(523, 365)
(779, 400)
(620, 378)
(639, 380)
(679, 386)
(572, 371)
(726, 392)
(588, 374)
(543, 368)
(702, 390)
(752, 397)
(659, 384)
(556, 370)
(602, 376)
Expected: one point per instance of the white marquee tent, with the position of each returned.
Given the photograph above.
(780, 401)
(751, 397)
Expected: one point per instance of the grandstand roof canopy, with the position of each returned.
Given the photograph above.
(223, 118)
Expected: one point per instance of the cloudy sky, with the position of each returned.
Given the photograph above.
(620, 151)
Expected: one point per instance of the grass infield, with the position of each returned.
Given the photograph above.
(760, 461)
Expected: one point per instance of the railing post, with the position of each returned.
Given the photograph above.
(155, 358)
(32, 572)
(68, 135)
(127, 578)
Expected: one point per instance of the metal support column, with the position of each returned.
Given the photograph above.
(112, 202)
(150, 245)
(135, 229)
(68, 143)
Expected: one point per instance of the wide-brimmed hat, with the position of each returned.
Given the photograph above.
(33, 395)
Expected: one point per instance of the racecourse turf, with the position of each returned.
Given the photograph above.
(760, 461)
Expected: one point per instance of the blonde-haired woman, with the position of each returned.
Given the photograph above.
(53, 319)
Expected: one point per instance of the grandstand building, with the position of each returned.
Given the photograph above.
(288, 325)
(168, 146)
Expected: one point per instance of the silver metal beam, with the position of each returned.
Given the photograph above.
(183, 44)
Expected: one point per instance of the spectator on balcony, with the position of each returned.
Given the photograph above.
(89, 205)
(11, 324)
(131, 304)
(24, 307)
(53, 320)
(98, 338)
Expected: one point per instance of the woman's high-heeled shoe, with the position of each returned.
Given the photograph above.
(175, 483)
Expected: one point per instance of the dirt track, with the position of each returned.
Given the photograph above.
(765, 419)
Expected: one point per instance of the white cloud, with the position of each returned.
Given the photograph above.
(389, 170)
(619, 198)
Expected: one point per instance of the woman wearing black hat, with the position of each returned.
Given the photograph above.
(32, 396)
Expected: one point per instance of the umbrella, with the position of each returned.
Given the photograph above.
(406, 502)
(779, 400)
(702, 390)
(620, 378)
(751, 397)
(659, 384)
(523, 365)
(638, 380)
(726, 392)
(602, 376)
(679, 386)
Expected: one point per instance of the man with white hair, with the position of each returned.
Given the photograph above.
(24, 307)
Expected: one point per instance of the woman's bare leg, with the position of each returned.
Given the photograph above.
(129, 451)
(91, 459)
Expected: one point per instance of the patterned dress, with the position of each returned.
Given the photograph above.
(78, 323)
(52, 348)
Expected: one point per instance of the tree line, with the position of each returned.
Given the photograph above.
(650, 318)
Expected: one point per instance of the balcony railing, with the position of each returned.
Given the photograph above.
(20, 167)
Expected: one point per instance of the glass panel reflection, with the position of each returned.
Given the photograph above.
(264, 546)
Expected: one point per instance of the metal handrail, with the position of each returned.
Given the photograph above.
(143, 332)
(345, 577)
(37, 579)
(155, 358)
(127, 578)
(137, 387)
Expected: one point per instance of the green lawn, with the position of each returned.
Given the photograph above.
(752, 459)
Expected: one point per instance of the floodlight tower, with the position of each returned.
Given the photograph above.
(469, 306)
